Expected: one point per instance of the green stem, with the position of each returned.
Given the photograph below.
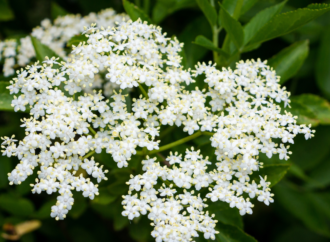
(143, 152)
(88, 155)
(176, 143)
(92, 130)
(208, 133)
(143, 91)
(138, 152)
(163, 159)
(215, 39)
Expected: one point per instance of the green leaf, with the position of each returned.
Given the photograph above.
(308, 154)
(298, 172)
(5, 97)
(160, 11)
(251, 47)
(105, 211)
(317, 105)
(310, 182)
(120, 221)
(321, 201)
(134, 12)
(289, 60)
(273, 172)
(209, 11)
(274, 160)
(320, 174)
(302, 207)
(104, 198)
(247, 5)
(5, 78)
(236, 8)
(140, 230)
(42, 50)
(45, 211)
(305, 114)
(208, 44)
(57, 11)
(202, 140)
(311, 31)
(75, 40)
(194, 53)
(16, 206)
(232, 27)
(284, 23)
(322, 64)
(164, 8)
(25, 187)
(118, 188)
(6, 13)
(229, 233)
(260, 20)
(78, 208)
(230, 5)
(225, 214)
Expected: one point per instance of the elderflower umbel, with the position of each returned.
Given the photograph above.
(238, 111)
(54, 35)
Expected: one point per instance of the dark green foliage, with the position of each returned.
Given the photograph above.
(273, 172)
(229, 233)
(6, 13)
(322, 66)
(208, 44)
(288, 61)
(233, 28)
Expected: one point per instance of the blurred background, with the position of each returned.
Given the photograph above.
(301, 211)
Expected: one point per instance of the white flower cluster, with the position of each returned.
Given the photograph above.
(8, 52)
(238, 111)
(176, 216)
(55, 36)
(179, 216)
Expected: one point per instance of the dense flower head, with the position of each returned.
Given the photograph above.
(19, 53)
(238, 109)
(167, 195)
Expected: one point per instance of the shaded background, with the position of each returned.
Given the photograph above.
(301, 211)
